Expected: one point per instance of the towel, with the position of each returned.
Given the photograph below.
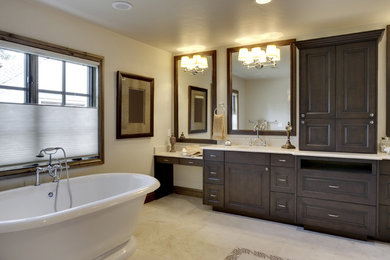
(219, 127)
(193, 150)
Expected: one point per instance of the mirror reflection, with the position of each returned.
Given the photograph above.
(195, 92)
(260, 89)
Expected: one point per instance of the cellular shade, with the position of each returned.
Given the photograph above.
(25, 129)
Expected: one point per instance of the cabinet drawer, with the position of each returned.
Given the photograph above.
(337, 217)
(213, 172)
(384, 223)
(247, 158)
(283, 179)
(340, 186)
(191, 162)
(213, 195)
(384, 167)
(384, 190)
(282, 207)
(211, 155)
(169, 160)
(284, 160)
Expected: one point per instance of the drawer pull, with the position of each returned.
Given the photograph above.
(282, 160)
(333, 215)
(190, 162)
(213, 155)
(213, 173)
(166, 160)
(334, 186)
(213, 195)
(282, 179)
(281, 206)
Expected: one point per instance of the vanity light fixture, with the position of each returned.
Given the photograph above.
(121, 5)
(263, 2)
(195, 65)
(258, 58)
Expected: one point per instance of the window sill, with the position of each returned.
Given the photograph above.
(21, 170)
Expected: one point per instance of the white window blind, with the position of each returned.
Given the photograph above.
(26, 128)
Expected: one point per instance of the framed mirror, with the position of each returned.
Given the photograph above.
(195, 96)
(262, 88)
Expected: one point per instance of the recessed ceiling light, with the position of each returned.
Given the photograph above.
(263, 2)
(121, 5)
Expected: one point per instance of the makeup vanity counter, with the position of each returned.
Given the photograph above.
(328, 192)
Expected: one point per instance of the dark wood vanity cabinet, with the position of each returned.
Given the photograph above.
(254, 184)
(338, 93)
(332, 195)
(384, 200)
(247, 188)
(282, 186)
(247, 183)
(213, 178)
(337, 196)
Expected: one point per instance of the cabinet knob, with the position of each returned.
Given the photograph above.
(302, 122)
(371, 114)
(266, 169)
(303, 115)
(371, 122)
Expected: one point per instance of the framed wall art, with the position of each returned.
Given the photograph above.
(134, 106)
(197, 109)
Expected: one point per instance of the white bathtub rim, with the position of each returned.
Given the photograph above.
(88, 208)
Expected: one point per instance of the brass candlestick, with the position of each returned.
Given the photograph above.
(288, 144)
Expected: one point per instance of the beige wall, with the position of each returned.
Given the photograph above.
(120, 53)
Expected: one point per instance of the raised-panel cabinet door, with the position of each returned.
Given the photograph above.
(356, 135)
(317, 134)
(317, 83)
(247, 188)
(356, 80)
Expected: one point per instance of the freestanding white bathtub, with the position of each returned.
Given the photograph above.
(98, 226)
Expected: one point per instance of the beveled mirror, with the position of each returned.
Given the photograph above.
(195, 96)
(262, 88)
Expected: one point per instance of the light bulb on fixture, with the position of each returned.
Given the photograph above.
(258, 58)
(263, 2)
(194, 65)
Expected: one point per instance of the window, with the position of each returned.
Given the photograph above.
(49, 96)
(49, 81)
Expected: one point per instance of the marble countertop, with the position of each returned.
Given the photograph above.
(277, 150)
(177, 155)
(296, 152)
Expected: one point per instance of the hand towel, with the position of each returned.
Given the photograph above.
(219, 127)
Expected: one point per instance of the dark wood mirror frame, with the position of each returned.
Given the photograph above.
(388, 81)
(292, 88)
(213, 94)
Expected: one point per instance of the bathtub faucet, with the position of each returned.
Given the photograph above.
(51, 168)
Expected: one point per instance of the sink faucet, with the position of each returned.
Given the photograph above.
(258, 140)
(51, 168)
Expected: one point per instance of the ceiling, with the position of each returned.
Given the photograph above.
(181, 26)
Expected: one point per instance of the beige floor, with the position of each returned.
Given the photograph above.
(180, 227)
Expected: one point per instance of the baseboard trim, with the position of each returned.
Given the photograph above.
(149, 197)
(188, 191)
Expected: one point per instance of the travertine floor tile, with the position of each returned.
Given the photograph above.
(180, 227)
